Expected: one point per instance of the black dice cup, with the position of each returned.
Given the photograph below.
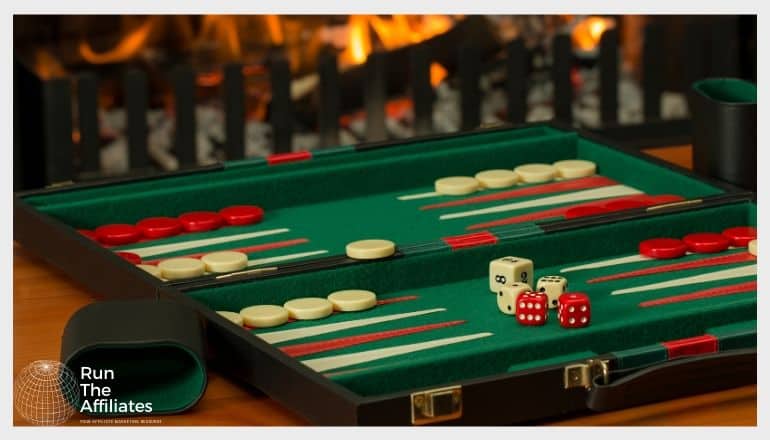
(724, 118)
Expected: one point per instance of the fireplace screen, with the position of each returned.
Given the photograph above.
(137, 94)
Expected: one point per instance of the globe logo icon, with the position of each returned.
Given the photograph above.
(46, 393)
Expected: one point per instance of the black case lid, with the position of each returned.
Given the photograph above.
(153, 348)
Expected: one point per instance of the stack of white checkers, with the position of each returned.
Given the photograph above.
(263, 316)
(503, 178)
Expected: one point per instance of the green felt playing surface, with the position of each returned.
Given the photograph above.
(458, 282)
(346, 196)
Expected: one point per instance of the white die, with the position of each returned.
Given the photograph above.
(508, 270)
(553, 286)
(506, 297)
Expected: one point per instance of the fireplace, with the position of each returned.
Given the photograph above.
(105, 96)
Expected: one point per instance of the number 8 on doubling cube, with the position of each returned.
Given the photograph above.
(507, 271)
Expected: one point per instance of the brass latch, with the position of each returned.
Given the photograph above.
(584, 375)
(437, 405)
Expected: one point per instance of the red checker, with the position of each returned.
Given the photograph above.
(130, 257)
(242, 214)
(663, 248)
(620, 205)
(584, 211)
(706, 242)
(118, 234)
(159, 227)
(740, 236)
(199, 221)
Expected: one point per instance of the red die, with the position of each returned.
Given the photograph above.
(532, 308)
(574, 310)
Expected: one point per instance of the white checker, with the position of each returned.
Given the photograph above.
(263, 316)
(181, 268)
(233, 317)
(456, 185)
(309, 308)
(370, 249)
(352, 300)
(753, 247)
(574, 168)
(535, 172)
(225, 261)
(497, 178)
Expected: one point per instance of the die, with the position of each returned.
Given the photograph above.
(574, 310)
(553, 286)
(532, 308)
(508, 270)
(506, 297)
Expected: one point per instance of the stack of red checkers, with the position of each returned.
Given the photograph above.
(161, 227)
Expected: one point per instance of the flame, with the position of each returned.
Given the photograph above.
(275, 29)
(359, 45)
(437, 74)
(221, 28)
(587, 34)
(392, 33)
(47, 66)
(128, 47)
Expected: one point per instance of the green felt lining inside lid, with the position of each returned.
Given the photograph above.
(727, 90)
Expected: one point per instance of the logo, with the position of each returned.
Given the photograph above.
(46, 393)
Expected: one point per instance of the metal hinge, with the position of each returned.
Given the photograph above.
(438, 405)
(584, 375)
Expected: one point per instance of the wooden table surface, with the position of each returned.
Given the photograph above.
(44, 299)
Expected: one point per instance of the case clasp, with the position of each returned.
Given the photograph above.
(584, 375)
(437, 405)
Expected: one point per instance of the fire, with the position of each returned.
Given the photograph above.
(437, 74)
(47, 66)
(221, 28)
(587, 33)
(392, 33)
(359, 45)
(128, 47)
(275, 29)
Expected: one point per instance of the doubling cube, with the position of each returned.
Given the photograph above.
(532, 308)
(509, 270)
(553, 286)
(506, 297)
(574, 310)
